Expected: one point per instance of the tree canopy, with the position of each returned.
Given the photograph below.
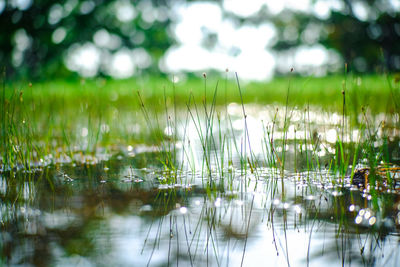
(366, 34)
(38, 35)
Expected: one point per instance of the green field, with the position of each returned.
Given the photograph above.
(319, 91)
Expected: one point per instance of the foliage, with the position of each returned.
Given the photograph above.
(363, 41)
(39, 35)
(41, 38)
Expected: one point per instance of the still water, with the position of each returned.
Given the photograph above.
(122, 212)
(244, 190)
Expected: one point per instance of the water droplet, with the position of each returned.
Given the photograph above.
(336, 193)
(183, 210)
(297, 209)
(352, 208)
(146, 208)
(358, 219)
(217, 202)
(310, 197)
(367, 214)
(276, 202)
(372, 220)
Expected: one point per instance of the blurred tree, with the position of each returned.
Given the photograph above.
(366, 34)
(40, 37)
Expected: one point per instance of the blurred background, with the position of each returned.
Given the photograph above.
(259, 39)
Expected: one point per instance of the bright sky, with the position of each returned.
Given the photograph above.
(243, 49)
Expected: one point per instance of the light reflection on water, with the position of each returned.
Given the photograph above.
(122, 209)
(99, 217)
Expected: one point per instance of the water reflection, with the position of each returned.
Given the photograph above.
(132, 214)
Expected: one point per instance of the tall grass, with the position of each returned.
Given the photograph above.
(26, 139)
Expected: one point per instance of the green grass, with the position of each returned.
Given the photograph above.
(319, 91)
(84, 115)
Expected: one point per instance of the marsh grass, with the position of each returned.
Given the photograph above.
(29, 137)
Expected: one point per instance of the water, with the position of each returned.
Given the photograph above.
(240, 192)
(122, 212)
